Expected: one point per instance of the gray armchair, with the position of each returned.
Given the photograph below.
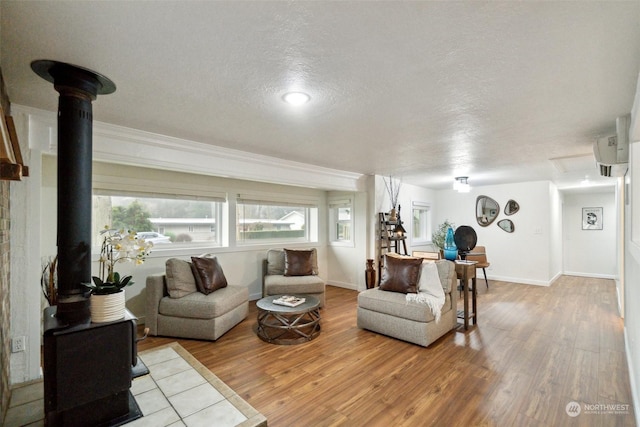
(275, 282)
(191, 314)
(390, 314)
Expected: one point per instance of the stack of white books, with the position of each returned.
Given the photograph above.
(289, 301)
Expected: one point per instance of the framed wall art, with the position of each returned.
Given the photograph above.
(592, 218)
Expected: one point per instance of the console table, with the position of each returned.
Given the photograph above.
(466, 270)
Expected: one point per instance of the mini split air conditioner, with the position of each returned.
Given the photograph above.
(612, 152)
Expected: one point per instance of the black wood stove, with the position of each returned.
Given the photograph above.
(88, 372)
(87, 366)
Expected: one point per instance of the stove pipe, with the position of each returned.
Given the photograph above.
(78, 87)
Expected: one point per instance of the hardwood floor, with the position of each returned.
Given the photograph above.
(535, 350)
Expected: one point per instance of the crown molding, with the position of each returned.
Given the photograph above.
(118, 144)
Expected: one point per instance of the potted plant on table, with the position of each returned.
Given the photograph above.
(107, 290)
(440, 235)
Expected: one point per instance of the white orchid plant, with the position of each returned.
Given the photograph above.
(117, 246)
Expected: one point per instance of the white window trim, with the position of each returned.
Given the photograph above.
(311, 219)
(334, 203)
(428, 225)
(159, 251)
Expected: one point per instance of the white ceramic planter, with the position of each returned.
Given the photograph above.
(107, 308)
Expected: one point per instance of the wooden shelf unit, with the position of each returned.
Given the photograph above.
(388, 240)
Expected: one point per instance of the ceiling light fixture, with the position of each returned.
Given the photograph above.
(296, 98)
(461, 185)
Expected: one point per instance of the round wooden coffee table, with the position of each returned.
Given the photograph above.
(279, 324)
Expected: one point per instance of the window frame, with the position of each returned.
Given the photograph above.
(425, 225)
(219, 208)
(311, 225)
(124, 185)
(334, 205)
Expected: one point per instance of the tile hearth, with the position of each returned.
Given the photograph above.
(179, 391)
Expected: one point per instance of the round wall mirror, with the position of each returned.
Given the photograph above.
(487, 210)
(511, 207)
(507, 225)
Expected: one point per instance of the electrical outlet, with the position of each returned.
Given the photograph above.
(17, 344)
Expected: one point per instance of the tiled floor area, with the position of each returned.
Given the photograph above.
(179, 391)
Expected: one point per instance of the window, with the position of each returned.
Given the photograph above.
(421, 223)
(170, 223)
(149, 201)
(341, 221)
(262, 221)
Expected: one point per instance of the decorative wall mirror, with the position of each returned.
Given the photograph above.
(487, 210)
(507, 225)
(511, 207)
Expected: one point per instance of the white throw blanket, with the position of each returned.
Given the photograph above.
(430, 290)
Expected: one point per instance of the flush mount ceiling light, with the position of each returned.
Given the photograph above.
(296, 98)
(461, 185)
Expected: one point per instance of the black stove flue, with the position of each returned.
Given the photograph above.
(87, 366)
(78, 87)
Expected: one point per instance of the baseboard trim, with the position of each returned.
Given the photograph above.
(344, 285)
(519, 280)
(597, 276)
(255, 297)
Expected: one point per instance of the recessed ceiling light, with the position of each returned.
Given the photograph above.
(296, 98)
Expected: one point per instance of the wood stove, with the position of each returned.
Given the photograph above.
(87, 366)
(88, 371)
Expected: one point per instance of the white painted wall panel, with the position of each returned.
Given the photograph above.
(521, 256)
(590, 252)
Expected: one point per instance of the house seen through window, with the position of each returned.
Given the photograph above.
(168, 223)
(263, 222)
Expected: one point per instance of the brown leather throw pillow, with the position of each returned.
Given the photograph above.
(400, 274)
(298, 262)
(208, 274)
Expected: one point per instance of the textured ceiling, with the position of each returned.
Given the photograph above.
(421, 90)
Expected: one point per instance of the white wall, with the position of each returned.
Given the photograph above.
(555, 232)
(532, 254)
(347, 262)
(523, 256)
(590, 252)
(407, 195)
(632, 257)
(25, 262)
